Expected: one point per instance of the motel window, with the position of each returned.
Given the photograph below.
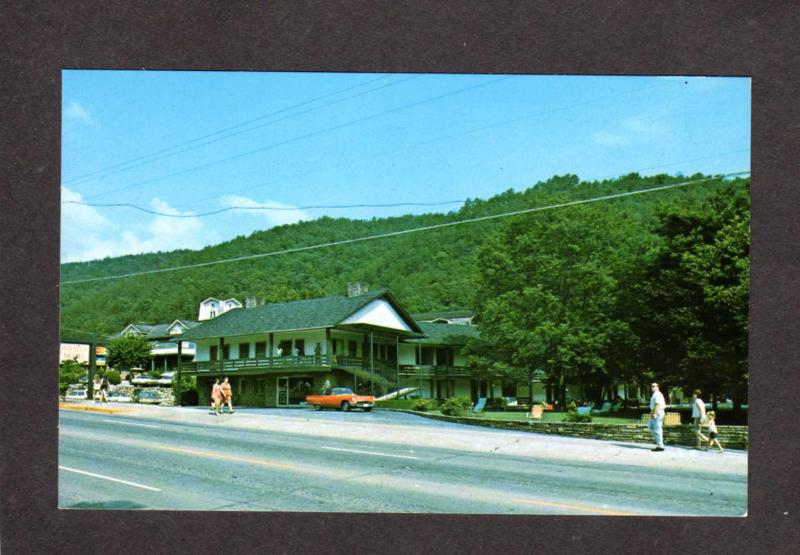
(300, 345)
(226, 352)
(212, 353)
(244, 350)
(443, 356)
(261, 349)
(261, 386)
(285, 347)
(352, 348)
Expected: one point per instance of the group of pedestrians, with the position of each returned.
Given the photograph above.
(700, 419)
(221, 395)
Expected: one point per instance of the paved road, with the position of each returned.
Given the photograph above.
(284, 460)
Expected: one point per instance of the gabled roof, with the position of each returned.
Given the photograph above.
(156, 331)
(324, 312)
(447, 334)
(445, 314)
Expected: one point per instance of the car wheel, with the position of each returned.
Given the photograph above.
(345, 406)
(367, 409)
(317, 407)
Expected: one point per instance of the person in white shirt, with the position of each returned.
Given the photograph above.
(656, 424)
(699, 417)
(712, 432)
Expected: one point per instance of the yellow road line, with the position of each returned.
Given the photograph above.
(89, 408)
(223, 456)
(584, 508)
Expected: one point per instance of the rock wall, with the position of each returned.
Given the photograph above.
(733, 437)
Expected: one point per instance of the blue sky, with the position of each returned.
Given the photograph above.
(186, 143)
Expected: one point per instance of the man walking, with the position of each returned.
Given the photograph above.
(699, 418)
(656, 424)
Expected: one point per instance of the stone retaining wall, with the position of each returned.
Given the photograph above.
(733, 437)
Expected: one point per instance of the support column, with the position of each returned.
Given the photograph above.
(221, 357)
(397, 362)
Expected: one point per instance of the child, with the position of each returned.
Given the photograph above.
(712, 431)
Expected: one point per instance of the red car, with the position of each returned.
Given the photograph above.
(341, 398)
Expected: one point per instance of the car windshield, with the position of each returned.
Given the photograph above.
(341, 391)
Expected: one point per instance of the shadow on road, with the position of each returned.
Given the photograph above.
(121, 504)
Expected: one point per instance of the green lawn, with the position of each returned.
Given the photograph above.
(548, 417)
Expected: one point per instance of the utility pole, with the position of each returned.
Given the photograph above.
(92, 366)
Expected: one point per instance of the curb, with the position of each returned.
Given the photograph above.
(87, 408)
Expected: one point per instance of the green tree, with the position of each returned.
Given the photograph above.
(691, 304)
(128, 352)
(548, 295)
(69, 372)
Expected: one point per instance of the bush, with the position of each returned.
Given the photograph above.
(69, 373)
(573, 416)
(496, 403)
(113, 377)
(403, 404)
(423, 405)
(456, 406)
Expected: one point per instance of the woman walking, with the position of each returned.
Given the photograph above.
(216, 397)
(227, 396)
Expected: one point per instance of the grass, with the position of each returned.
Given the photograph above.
(548, 417)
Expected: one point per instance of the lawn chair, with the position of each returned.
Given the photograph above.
(479, 405)
(536, 413)
(605, 409)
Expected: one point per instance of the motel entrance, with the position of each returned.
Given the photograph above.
(292, 390)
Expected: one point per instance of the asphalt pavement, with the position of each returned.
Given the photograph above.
(151, 457)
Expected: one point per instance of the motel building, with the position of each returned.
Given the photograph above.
(164, 351)
(276, 354)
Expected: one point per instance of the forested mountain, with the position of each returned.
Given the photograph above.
(429, 270)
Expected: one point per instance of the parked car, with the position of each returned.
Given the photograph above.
(76, 394)
(166, 378)
(149, 398)
(145, 379)
(341, 398)
(119, 397)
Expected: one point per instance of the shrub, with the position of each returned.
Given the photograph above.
(423, 405)
(113, 377)
(456, 406)
(573, 416)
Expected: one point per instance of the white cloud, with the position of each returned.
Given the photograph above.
(75, 113)
(286, 214)
(88, 235)
(642, 129)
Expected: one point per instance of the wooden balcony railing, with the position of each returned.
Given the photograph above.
(430, 371)
(307, 361)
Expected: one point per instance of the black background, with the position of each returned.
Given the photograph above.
(623, 37)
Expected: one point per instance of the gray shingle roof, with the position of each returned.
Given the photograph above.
(294, 315)
(447, 334)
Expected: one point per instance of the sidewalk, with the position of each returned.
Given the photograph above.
(449, 436)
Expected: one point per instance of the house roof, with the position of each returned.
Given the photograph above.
(446, 314)
(447, 334)
(324, 312)
(157, 331)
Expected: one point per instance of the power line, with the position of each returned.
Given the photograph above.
(301, 137)
(393, 150)
(277, 208)
(82, 178)
(413, 230)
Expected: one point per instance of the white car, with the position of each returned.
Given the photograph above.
(119, 397)
(77, 394)
(166, 378)
(144, 379)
